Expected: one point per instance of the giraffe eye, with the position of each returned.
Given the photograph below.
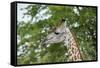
(56, 33)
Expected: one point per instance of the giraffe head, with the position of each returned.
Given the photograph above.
(58, 35)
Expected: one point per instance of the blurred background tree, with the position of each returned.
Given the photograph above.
(81, 20)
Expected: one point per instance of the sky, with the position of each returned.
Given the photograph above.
(20, 13)
(41, 15)
(21, 17)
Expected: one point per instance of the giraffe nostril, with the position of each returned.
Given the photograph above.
(44, 45)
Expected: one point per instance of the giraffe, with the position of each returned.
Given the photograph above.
(62, 33)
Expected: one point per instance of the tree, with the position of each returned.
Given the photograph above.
(81, 20)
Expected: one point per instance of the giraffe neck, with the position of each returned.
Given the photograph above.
(72, 46)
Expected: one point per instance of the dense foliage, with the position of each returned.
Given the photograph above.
(81, 20)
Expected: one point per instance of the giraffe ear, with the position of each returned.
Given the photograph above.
(63, 20)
